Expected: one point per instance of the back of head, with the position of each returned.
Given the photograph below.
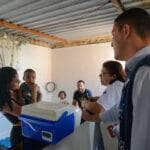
(138, 18)
(6, 76)
(115, 68)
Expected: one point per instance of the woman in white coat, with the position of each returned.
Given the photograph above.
(112, 76)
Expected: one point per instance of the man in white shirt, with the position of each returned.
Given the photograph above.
(131, 43)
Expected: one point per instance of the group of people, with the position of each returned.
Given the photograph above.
(131, 43)
(126, 104)
(125, 101)
(112, 76)
(13, 97)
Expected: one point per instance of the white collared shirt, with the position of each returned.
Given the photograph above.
(112, 95)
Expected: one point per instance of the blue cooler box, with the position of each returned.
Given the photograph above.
(45, 130)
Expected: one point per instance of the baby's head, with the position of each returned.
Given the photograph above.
(62, 95)
(29, 76)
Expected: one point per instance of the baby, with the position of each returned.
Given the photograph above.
(62, 97)
(29, 90)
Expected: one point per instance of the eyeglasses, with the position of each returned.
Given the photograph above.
(103, 73)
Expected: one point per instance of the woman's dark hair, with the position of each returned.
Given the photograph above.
(115, 68)
(27, 72)
(61, 93)
(6, 76)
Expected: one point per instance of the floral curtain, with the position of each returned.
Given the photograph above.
(10, 51)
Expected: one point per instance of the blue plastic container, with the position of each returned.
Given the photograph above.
(47, 131)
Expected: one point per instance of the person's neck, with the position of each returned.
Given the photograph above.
(137, 45)
(82, 91)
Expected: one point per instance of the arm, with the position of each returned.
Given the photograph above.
(109, 116)
(39, 94)
(16, 109)
(22, 101)
(141, 105)
(74, 102)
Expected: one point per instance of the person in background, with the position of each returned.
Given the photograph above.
(81, 94)
(9, 104)
(112, 76)
(62, 97)
(131, 43)
(29, 90)
(30, 93)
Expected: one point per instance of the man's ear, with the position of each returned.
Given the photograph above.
(126, 30)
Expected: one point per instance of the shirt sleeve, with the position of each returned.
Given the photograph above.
(141, 106)
(89, 93)
(75, 95)
(111, 115)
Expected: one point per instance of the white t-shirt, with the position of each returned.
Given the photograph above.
(112, 95)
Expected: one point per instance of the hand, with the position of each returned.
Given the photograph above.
(88, 117)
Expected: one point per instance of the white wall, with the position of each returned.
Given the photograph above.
(82, 62)
(39, 59)
(66, 66)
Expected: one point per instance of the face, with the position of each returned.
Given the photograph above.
(31, 78)
(14, 85)
(81, 87)
(118, 43)
(105, 77)
(62, 96)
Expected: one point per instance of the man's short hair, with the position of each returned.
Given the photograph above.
(81, 81)
(138, 18)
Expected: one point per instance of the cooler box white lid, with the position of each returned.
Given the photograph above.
(47, 110)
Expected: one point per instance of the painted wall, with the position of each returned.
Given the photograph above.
(65, 67)
(39, 59)
(83, 62)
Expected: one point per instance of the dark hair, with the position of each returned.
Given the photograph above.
(27, 72)
(81, 81)
(138, 18)
(61, 93)
(115, 68)
(6, 76)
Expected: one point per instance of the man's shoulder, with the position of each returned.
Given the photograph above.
(143, 71)
(76, 92)
(87, 90)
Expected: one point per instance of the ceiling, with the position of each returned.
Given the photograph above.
(63, 23)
